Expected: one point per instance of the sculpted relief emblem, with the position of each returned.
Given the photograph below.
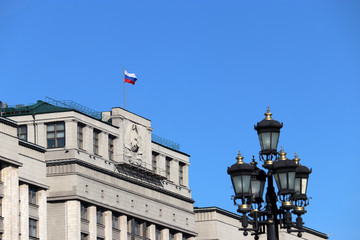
(133, 143)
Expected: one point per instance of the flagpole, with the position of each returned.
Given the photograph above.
(124, 83)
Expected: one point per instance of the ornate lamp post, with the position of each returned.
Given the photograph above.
(249, 182)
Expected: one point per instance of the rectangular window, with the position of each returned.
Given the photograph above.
(83, 211)
(157, 233)
(99, 238)
(171, 235)
(111, 147)
(32, 195)
(167, 167)
(115, 221)
(99, 216)
(22, 132)
(84, 236)
(135, 227)
(96, 141)
(56, 135)
(80, 137)
(32, 228)
(181, 173)
(154, 161)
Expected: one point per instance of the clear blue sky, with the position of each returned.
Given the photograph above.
(206, 71)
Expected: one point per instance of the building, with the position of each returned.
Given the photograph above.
(70, 173)
(215, 223)
(73, 173)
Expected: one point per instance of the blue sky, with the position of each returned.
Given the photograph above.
(207, 70)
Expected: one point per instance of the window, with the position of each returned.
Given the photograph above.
(99, 238)
(56, 135)
(22, 132)
(0, 208)
(32, 195)
(111, 147)
(115, 221)
(135, 227)
(181, 173)
(99, 216)
(171, 235)
(80, 138)
(32, 228)
(167, 167)
(96, 141)
(154, 161)
(84, 236)
(83, 211)
(157, 233)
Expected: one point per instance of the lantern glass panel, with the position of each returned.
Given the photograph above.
(277, 180)
(297, 185)
(246, 183)
(274, 140)
(283, 180)
(255, 188)
(266, 140)
(303, 185)
(291, 182)
(237, 181)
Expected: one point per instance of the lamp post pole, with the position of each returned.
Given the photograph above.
(249, 181)
(273, 225)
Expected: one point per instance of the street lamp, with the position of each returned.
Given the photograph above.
(249, 182)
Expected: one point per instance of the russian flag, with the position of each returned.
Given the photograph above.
(130, 77)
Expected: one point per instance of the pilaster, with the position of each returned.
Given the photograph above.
(72, 220)
(10, 202)
(123, 227)
(108, 225)
(178, 236)
(24, 211)
(70, 134)
(88, 139)
(41, 196)
(152, 232)
(92, 223)
(164, 234)
(41, 137)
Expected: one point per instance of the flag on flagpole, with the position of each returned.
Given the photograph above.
(130, 77)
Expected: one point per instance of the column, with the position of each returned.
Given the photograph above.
(41, 196)
(108, 225)
(123, 227)
(164, 234)
(88, 139)
(151, 231)
(10, 202)
(92, 223)
(178, 236)
(24, 211)
(72, 220)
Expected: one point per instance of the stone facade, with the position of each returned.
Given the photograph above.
(75, 177)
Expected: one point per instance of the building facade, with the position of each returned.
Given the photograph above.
(66, 174)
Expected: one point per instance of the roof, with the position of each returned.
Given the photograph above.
(38, 107)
